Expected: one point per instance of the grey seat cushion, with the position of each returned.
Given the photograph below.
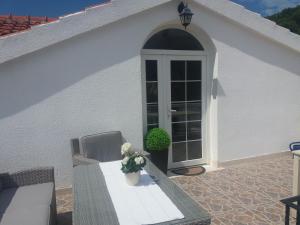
(25, 197)
(31, 215)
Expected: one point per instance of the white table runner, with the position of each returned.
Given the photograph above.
(145, 203)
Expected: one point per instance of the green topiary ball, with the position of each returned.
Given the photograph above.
(157, 139)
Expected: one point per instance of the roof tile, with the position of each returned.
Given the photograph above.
(12, 24)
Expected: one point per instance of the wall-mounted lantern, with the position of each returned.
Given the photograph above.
(185, 14)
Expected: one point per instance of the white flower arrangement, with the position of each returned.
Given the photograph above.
(132, 161)
(139, 160)
(126, 148)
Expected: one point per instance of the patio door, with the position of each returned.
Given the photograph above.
(175, 100)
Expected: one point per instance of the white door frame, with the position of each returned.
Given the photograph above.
(163, 58)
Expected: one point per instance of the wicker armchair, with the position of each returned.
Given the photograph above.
(102, 147)
(18, 185)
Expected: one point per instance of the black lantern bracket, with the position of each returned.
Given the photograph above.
(181, 6)
(185, 14)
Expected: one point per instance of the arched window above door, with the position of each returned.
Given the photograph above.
(173, 39)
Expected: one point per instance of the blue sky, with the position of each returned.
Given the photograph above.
(267, 7)
(55, 8)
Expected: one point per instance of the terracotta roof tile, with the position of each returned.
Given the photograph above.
(11, 24)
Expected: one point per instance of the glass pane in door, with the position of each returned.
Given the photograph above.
(193, 68)
(152, 113)
(179, 112)
(194, 130)
(151, 70)
(179, 152)
(194, 110)
(193, 91)
(194, 147)
(178, 70)
(179, 132)
(178, 91)
(186, 109)
(152, 93)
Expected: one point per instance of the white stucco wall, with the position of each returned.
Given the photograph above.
(258, 90)
(88, 84)
(92, 83)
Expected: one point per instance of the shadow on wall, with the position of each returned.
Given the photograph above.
(242, 39)
(35, 77)
(257, 46)
(217, 89)
(268, 51)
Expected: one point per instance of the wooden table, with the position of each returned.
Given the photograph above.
(93, 205)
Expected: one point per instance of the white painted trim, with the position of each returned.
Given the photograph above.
(213, 111)
(66, 27)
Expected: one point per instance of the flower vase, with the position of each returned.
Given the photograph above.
(132, 179)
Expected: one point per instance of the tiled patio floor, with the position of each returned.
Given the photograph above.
(247, 193)
(64, 201)
(243, 194)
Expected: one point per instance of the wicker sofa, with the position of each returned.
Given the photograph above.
(28, 197)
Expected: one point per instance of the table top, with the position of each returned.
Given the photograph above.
(93, 205)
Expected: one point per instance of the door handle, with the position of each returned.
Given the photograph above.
(171, 111)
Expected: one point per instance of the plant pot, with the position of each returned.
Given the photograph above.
(133, 178)
(160, 159)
